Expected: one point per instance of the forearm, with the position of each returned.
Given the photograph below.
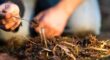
(68, 6)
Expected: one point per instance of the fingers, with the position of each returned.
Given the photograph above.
(17, 23)
(48, 30)
(9, 25)
(12, 23)
(10, 11)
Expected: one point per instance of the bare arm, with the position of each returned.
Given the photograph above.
(69, 6)
(54, 19)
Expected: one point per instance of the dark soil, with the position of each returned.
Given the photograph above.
(58, 48)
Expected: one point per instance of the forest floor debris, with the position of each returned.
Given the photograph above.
(60, 48)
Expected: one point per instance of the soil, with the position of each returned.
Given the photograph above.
(59, 48)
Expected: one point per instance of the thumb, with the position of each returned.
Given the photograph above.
(40, 16)
(35, 21)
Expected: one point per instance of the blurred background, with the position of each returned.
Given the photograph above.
(105, 13)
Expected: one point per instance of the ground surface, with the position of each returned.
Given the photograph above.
(58, 48)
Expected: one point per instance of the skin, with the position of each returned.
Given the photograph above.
(10, 22)
(54, 19)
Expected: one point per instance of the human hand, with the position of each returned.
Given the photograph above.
(52, 20)
(11, 15)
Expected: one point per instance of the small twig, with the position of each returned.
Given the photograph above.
(65, 49)
(22, 19)
(27, 39)
(103, 44)
(41, 35)
(48, 50)
(104, 56)
(43, 38)
(54, 49)
(99, 49)
(67, 52)
(70, 44)
(32, 42)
